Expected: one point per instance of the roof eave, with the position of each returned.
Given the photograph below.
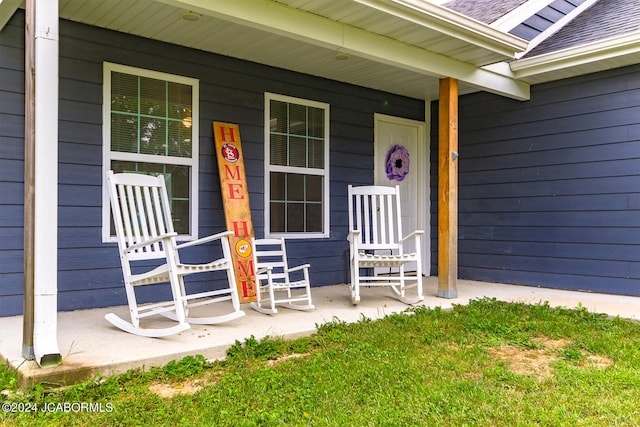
(453, 24)
(602, 50)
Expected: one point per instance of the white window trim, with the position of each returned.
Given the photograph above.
(107, 155)
(307, 171)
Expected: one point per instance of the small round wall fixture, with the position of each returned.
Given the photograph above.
(397, 165)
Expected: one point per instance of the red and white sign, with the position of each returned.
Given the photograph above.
(235, 199)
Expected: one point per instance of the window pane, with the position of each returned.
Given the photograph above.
(277, 217)
(314, 218)
(180, 181)
(180, 100)
(124, 133)
(298, 119)
(295, 187)
(153, 97)
(277, 186)
(316, 122)
(180, 214)
(314, 188)
(297, 152)
(153, 138)
(316, 154)
(295, 217)
(279, 117)
(124, 93)
(179, 139)
(278, 149)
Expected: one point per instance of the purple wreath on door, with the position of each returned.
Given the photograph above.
(397, 163)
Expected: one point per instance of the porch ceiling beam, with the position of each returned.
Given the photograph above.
(279, 19)
(7, 9)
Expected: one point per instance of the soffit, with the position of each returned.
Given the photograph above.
(395, 45)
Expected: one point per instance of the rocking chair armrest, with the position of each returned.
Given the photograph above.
(151, 241)
(299, 267)
(416, 233)
(354, 236)
(205, 239)
(263, 270)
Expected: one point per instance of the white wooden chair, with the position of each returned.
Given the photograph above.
(274, 284)
(376, 242)
(149, 256)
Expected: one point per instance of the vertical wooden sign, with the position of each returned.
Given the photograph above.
(235, 199)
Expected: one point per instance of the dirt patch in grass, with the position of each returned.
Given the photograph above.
(191, 386)
(287, 357)
(537, 362)
(171, 390)
(188, 386)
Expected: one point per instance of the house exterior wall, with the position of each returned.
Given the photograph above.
(231, 90)
(550, 188)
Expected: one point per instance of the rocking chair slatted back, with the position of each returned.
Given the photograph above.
(271, 254)
(375, 212)
(141, 214)
(376, 243)
(144, 230)
(276, 283)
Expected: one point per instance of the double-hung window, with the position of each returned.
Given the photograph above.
(150, 126)
(296, 167)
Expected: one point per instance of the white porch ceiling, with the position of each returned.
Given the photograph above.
(398, 46)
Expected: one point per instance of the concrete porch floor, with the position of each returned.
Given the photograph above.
(90, 345)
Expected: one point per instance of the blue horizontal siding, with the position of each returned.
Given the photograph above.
(549, 189)
(231, 90)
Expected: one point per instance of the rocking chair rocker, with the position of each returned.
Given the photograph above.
(376, 241)
(145, 234)
(273, 279)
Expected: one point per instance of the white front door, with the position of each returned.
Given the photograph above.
(414, 188)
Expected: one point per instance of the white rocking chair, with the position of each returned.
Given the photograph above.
(274, 285)
(376, 241)
(147, 244)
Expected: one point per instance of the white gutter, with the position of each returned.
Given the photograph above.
(614, 47)
(41, 68)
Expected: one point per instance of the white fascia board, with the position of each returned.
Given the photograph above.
(320, 31)
(7, 9)
(627, 44)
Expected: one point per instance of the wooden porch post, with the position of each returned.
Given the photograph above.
(448, 189)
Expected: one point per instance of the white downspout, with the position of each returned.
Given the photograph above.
(45, 232)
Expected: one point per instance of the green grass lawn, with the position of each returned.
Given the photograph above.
(488, 363)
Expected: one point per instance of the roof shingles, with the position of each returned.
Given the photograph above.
(485, 11)
(605, 19)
